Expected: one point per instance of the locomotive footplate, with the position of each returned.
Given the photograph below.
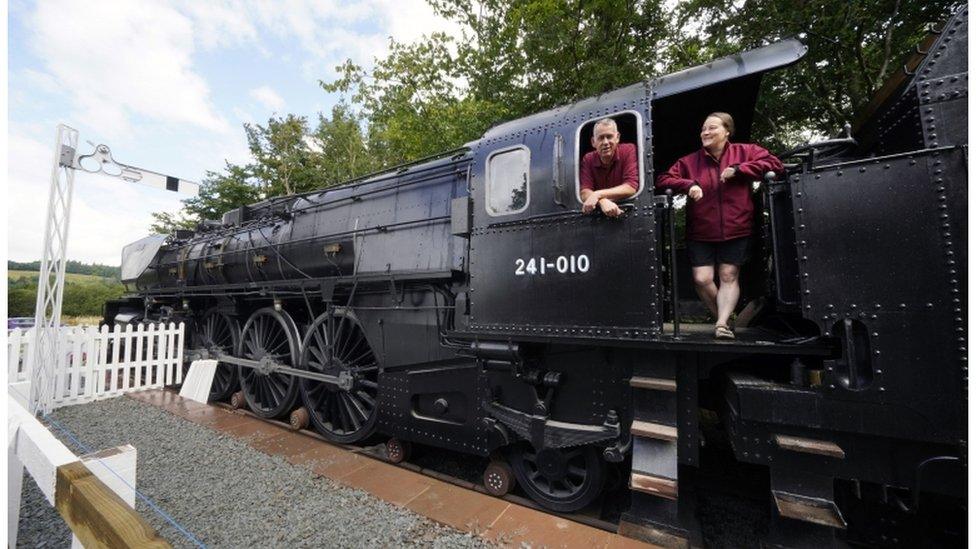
(692, 337)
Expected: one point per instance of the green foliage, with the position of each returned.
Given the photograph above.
(283, 161)
(341, 152)
(413, 103)
(854, 47)
(515, 58)
(85, 298)
(287, 158)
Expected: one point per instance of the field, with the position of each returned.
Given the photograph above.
(84, 295)
(71, 278)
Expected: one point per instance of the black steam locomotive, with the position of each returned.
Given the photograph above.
(464, 302)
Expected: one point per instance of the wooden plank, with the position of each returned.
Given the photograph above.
(90, 358)
(810, 446)
(654, 383)
(13, 354)
(97, 515)
(101, 360)
(807, 509)
(658, 431)
(656, 486)
(179, 353)
(653, 535)
(39, 451)
(75, 368)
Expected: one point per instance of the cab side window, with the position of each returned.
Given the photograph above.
(630, 128)
(507, 189)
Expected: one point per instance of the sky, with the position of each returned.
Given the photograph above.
(167, 85)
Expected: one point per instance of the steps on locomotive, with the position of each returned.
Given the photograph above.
(654, 513)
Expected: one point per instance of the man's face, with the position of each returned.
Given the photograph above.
(605, 140)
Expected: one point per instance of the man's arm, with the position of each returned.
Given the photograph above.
(620, 192)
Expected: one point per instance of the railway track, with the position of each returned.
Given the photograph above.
(379, 452)
(508, 519)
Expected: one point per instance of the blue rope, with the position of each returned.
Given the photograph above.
(87, 450)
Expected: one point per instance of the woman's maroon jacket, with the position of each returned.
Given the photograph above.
(725, 209)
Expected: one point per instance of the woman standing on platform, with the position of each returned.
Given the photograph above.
(718, 180)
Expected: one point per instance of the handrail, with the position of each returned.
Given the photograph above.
(673, 253)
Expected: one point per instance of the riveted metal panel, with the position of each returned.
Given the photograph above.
(550, 270)
(883, 242)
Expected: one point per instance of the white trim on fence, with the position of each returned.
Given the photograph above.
(104, 363)
(32, 447)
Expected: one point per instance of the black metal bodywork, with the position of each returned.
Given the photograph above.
(862, 343)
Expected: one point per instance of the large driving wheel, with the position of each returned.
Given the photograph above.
(220, 333)
(269, 334)
(561, 479)
(345, 411)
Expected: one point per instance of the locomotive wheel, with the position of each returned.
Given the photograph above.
(269, 333)
(561, 479)
(336, 345)
(218, 332)
(398, 451)
(298, 419)
(498, 478)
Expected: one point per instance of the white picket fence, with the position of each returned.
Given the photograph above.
(96, 364)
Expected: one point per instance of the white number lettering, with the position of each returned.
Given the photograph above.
(562, 264)
(583, 263)
(571, 264)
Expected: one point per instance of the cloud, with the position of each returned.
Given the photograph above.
(117, 60)
(106, 213)
(269, 98)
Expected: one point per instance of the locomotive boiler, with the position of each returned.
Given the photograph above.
(464, 302)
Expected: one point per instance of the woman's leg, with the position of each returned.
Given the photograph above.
(728, 293)
(705, 286)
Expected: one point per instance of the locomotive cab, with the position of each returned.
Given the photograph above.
(539, 267)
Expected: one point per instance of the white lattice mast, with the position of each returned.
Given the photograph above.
(46, 348)
(50, 282)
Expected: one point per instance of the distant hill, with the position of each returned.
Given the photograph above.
(75, 267)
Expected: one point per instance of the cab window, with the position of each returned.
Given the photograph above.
(630, 129)
(507, 191)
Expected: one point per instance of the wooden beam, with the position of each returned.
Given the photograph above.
(97, 515)
(656, 486)
(654, 383)
(810, 446)
(657, 431)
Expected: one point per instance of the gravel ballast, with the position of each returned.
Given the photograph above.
(226, 493)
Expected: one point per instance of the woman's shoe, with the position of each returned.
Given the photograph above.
(723, 332)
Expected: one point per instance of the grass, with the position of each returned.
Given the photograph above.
(69, 277)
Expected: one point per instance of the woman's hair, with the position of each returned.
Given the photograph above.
(726, 119)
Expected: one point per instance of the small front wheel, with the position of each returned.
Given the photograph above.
(498, 478)
(398, 451)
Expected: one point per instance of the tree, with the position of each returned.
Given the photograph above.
(513, 59)
(286, 158)
(283, 161)
(854, 46)
(340, 147)
(414, 102)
